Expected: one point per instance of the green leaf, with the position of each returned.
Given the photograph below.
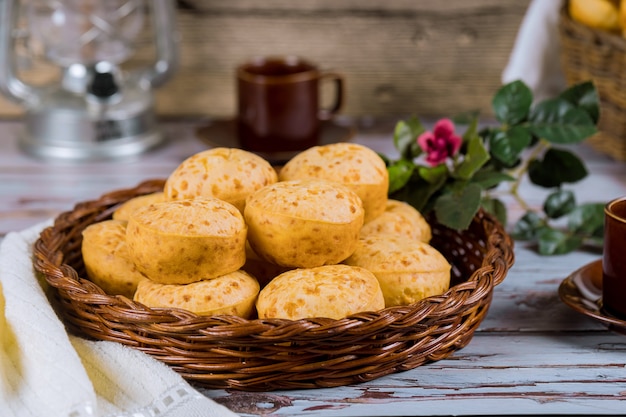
(488, 178)
(456, 208)
(527, 227)
(512, 102)
(471, 131)
(557, 167)
(559, 203)
(585, 96)
(495, 207)
(475, 158)
(434, 175)
(405, 137)
(506, 146)
(549, 111)
(423, 184)
(400, 173)
(574, 126)
(587, 219)
(556, 242)
(418, 195)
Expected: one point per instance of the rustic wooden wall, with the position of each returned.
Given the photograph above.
(428, 57)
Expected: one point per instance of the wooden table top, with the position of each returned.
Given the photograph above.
(531, 355)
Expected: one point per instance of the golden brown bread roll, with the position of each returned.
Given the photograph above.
(407, 270)
(231, 294)
(229, 174)
(304, 223)
(333, 291)
(353, 165)
(183, 241)
(124, 210)
(399, 218)
(107, 259)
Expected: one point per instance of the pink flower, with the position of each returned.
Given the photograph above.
(441, 143)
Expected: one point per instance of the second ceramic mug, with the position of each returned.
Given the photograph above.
(614, 259)
(278, 101)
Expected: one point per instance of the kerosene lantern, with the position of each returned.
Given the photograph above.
(97, 109)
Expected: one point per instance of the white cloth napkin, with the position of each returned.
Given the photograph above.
(44, 371)
(535, 55)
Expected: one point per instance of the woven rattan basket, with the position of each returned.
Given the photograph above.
(599, 56)
(263, 355)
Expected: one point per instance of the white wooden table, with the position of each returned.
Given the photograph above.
(531, 355)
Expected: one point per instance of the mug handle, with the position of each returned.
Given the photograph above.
(337, 79)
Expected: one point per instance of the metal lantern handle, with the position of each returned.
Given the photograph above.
(163, 15)
(11, 85)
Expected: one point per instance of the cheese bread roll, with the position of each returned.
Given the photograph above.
(354, 165)
(399, 218)
(107, 258)
(407, 270)
(333, 291)
(183, 241)
(226, 173)
(231, 294)
(304, 223)
(124, 210)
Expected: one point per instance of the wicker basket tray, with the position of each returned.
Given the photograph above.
(263, 355)
(600, 56)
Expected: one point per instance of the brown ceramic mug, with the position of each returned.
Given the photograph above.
(614, 259)
(278, 102)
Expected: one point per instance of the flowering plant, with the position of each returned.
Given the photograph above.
(453, 176)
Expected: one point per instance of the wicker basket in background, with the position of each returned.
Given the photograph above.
(600, 56)
(231, 352)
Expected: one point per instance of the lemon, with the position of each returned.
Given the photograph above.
(598, 14)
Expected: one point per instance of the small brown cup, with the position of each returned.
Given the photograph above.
(278, 102)
(614, 259)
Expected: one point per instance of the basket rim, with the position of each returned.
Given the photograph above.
(58, 274)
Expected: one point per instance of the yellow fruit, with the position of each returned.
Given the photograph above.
(598, 14)
(622, 17)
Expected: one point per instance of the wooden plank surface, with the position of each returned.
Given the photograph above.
(531, 355)
(398, 56)
(496, 374)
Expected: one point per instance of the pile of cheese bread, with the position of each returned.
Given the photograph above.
(230, 234)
